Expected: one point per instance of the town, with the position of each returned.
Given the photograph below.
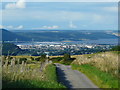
(61, 48)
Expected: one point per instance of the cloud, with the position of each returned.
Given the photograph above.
(68, 17)
(71, 25)
(48, 27)
(11, 27)
(19, 4)
(1, 26)
(19, 27)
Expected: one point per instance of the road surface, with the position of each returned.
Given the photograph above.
(72, 78)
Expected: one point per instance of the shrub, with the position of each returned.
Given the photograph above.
(43, 57)
(22, 59)
(37, 59)
(67, 57)
(32, 58)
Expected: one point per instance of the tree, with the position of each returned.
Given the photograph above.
(43, 57)
(116, 48)
(67, 57)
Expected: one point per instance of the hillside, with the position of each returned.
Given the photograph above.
(66, 35)
(12, 49)
(55, 35)
(11, 36)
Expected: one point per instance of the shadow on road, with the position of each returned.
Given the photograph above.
(62, 79)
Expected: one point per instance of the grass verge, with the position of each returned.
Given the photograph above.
(101, 79)
(49, 81)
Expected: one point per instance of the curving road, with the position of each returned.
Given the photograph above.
(72, 78)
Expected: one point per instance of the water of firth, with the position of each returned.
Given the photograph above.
(99, 41)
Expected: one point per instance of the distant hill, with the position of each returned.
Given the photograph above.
(66, 35)
(11, 36)
(55, 35)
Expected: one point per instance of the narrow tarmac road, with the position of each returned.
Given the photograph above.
(72, 78)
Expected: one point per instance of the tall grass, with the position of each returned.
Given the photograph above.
(101, 79)
(106, 61)
(16, 75)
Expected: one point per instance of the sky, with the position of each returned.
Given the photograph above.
(23, 15)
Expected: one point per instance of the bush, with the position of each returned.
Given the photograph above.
(9, 57)
(22, 59)
(67, 57)
(32, 58)
(37, 59)
(43, 57)
(29, 62)
(56, 59)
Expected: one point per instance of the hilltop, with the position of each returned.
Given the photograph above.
(55, 35)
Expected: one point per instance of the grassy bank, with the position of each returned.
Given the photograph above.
(32, 78)
(102, 68)
(105, 61)
(100, 78)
